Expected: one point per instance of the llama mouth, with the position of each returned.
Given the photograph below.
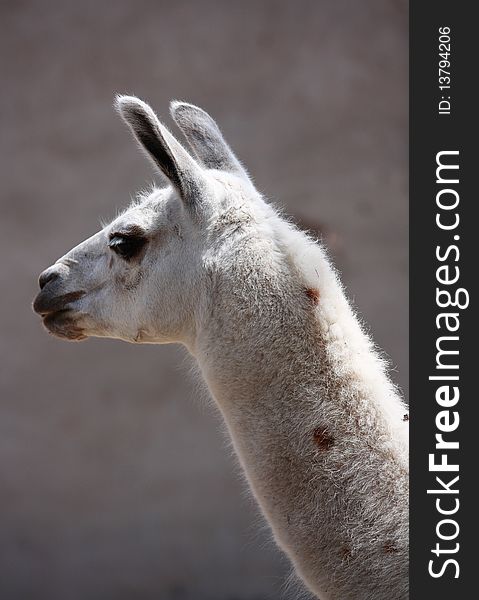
(45, 303)
(63, 324)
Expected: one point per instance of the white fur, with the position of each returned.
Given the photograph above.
(315, 420)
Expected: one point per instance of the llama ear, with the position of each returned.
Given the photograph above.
(162, 147)
(205, 138)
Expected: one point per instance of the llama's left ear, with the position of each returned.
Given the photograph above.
(205, 138)
(165, 151)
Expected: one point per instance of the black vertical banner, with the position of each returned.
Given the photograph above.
(444, 267)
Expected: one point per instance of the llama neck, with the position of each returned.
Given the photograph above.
(275, 343)
(313, 417)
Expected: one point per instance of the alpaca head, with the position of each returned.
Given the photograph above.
(142, 277)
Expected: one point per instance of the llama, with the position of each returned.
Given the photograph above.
(318, 427)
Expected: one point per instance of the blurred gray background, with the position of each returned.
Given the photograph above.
(116, 480)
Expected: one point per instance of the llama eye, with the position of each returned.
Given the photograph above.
(126, 246)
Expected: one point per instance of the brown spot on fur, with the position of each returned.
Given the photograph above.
(313, 295)
(345, 552)
(390, 548)
(406, 417)
(322, 438)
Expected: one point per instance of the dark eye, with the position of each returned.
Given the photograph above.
(126, 246)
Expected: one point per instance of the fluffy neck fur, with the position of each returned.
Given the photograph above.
(317, 424)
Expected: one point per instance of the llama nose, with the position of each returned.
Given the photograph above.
(48, 275)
